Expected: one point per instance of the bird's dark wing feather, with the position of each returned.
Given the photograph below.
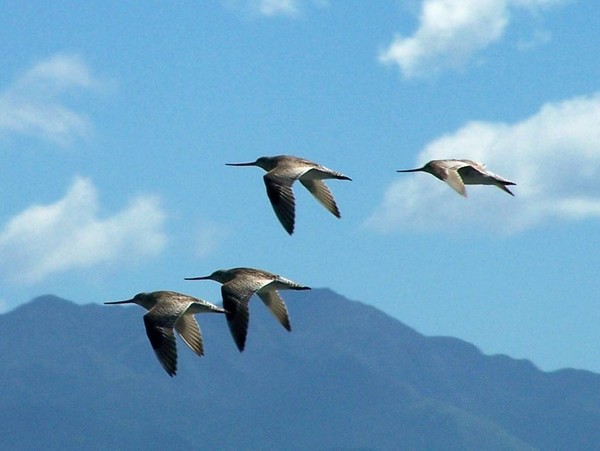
(236, 301)
(282, 199)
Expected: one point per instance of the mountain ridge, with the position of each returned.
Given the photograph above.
(348, 376)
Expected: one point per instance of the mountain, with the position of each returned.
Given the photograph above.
(347, 377)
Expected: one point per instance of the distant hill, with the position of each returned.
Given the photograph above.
(347, 377)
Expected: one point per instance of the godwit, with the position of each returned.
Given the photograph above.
(458, 173)
(168, 310)
(239, 284)
(282, 172)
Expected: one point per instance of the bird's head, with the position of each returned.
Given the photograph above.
(146, 300)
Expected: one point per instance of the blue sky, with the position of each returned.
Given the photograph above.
(117, 119)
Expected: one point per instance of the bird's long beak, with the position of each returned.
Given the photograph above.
(197, 278)
(129, 301)
(252, 163)
(410, 170)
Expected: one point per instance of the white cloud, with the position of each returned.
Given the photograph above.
(277, 7)
(451, 31)
(32, 104)
(553, 156)
(272, 8)
(49, 239)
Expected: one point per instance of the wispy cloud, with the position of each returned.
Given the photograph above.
(277, 7)
(451, 31)
(273, 8)
(49, 239)
(33, 104)
(536, 39)
(553, 156)
(209, 237)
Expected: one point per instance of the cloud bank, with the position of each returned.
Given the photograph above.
(48, 239)
(553, 156)
(33, 104)
(451, 31)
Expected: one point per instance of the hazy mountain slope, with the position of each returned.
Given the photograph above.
(348, 376)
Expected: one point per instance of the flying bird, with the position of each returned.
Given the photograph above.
(282, 172)
(238, 285)
(168, 310)
(458, 173)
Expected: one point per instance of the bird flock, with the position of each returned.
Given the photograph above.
(169, 311)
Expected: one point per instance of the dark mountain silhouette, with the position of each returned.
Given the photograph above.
(347, 377)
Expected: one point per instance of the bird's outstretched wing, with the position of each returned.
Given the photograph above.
(282, 199)
(235, 300)
(188, 329)
(453, 178)
(163, 342)
(322, 193)
(276, 305)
